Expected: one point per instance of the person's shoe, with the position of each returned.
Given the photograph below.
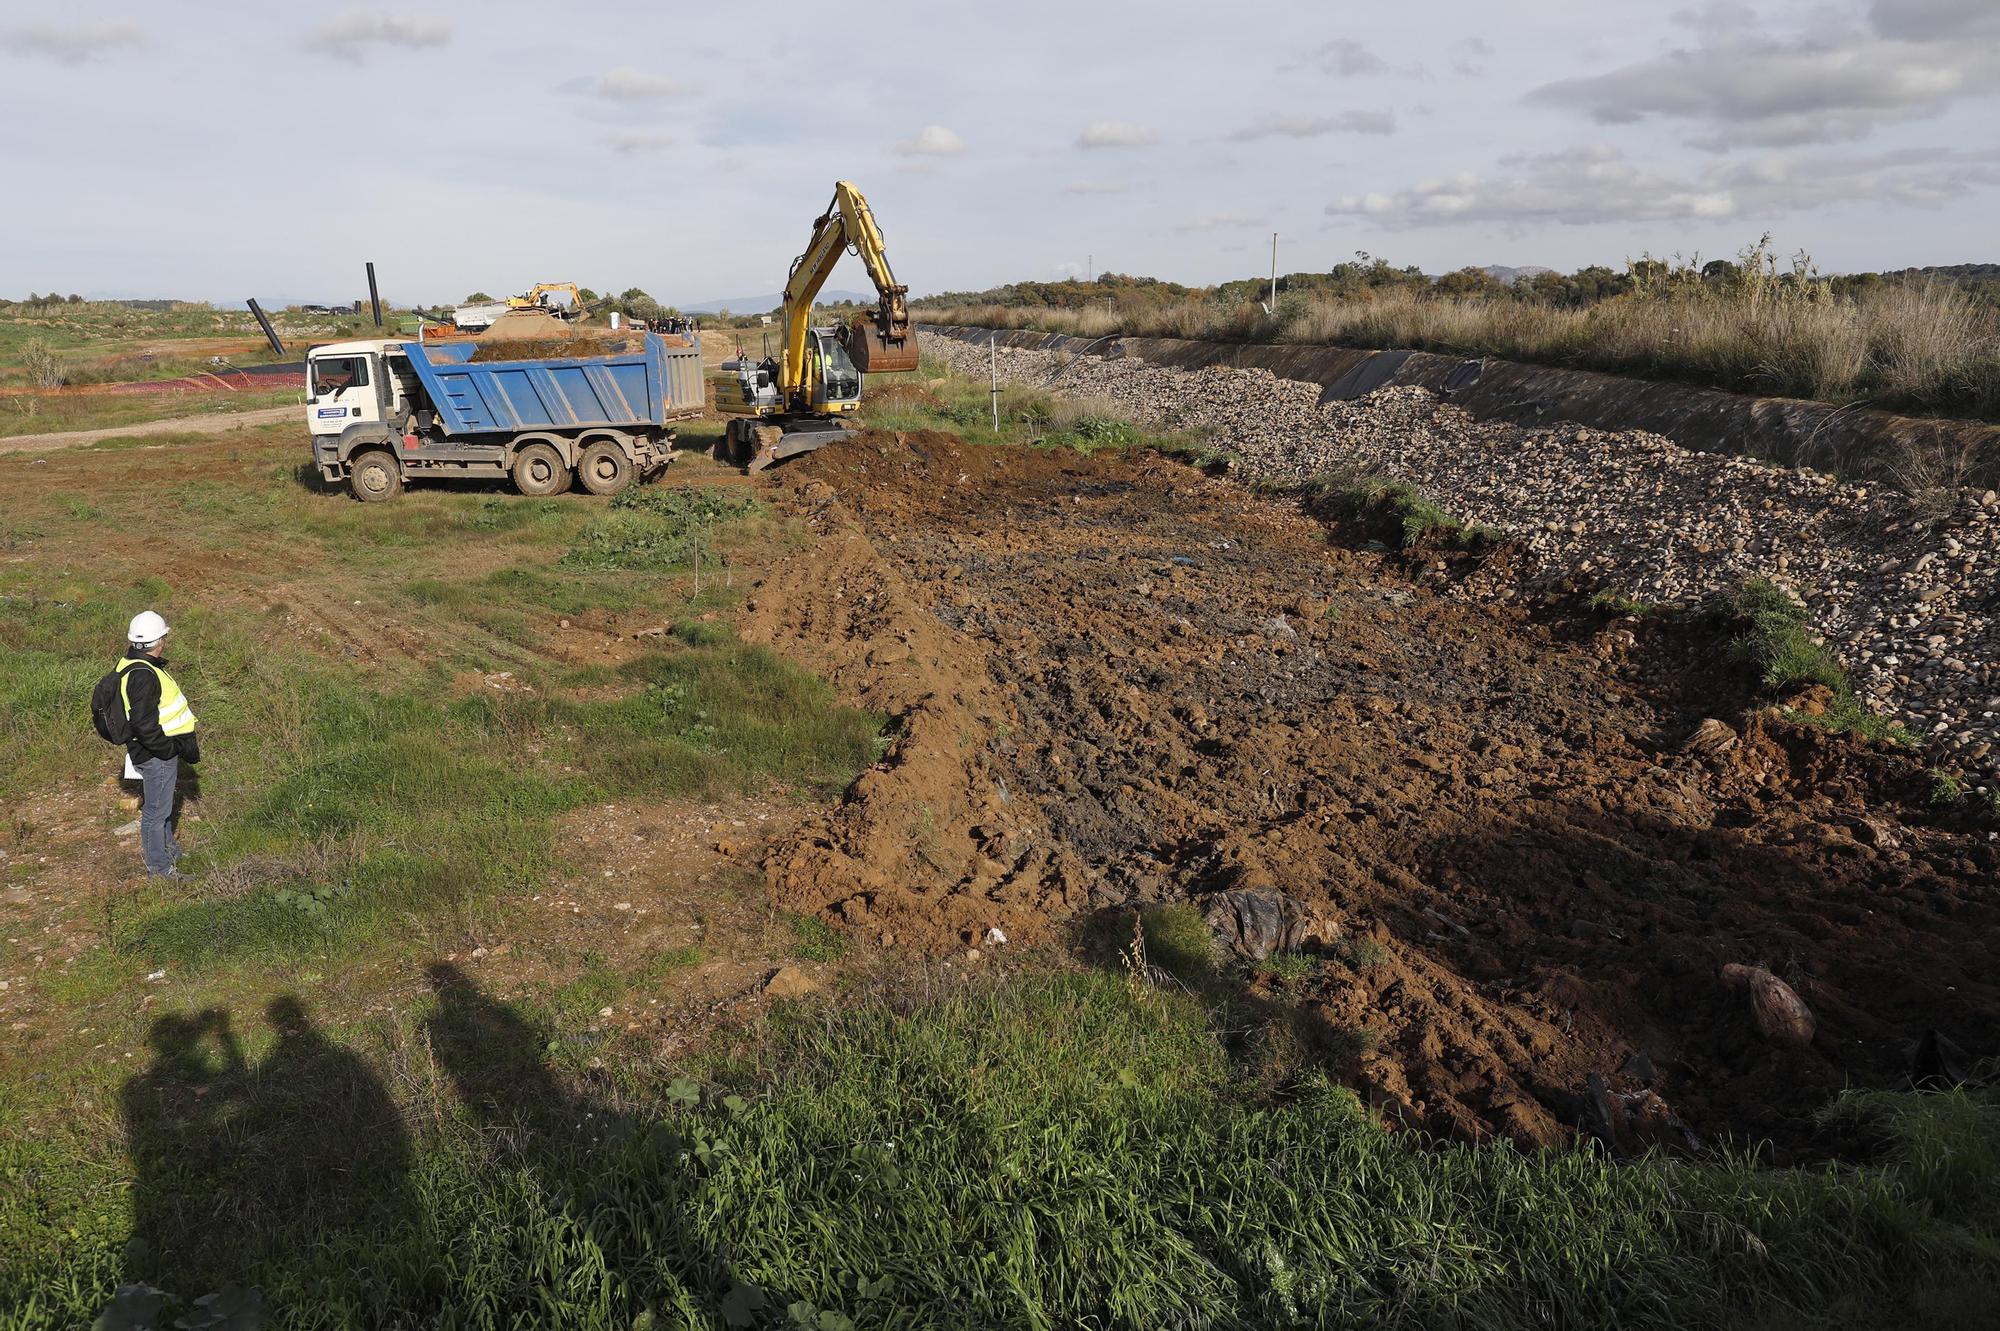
(172, 873)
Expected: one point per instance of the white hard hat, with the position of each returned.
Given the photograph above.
(147, 628)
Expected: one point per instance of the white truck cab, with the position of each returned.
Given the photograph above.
(352, 383)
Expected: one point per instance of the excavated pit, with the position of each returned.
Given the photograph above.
(1118, 681)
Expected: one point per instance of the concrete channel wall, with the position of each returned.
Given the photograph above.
(1854, 441)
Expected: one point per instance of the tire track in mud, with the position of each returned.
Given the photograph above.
(1120, 681)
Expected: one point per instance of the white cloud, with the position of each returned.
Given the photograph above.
(1345, 56)
(931, 141)
(349, 36)
(1749, 87)
(1116, 134)
(1307, 127)
(1597, 183)
(637, 141)
(1094, 187)
(72, 46)
(625, 84)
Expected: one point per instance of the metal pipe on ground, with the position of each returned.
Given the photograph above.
(270, 333)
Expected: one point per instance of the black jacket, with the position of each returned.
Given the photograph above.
(142, 691)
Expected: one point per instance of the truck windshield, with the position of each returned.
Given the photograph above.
(843, 381)
(330, 374)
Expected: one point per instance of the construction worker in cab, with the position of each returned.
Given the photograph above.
(162, 737)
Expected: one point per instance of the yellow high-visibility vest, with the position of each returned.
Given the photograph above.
(176, 717)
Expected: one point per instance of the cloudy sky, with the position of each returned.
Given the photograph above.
(231, 148)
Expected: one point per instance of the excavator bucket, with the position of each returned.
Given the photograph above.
(873, 353)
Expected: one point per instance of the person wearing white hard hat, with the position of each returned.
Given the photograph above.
(162, 738)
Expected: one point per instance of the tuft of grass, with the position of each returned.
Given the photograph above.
(1397, 505)
(1178, 941)
(1946, 788)
(1290, 969)
(1770, 634)
(813, 939)
(1619, 605)
(1358, 954)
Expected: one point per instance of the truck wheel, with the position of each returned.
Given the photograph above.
(604, 468)
(539, 470)
(373, 476)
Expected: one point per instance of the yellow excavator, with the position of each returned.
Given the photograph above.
(800, 400)
(536, 296)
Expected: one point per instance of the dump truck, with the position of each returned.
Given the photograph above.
(381, 413)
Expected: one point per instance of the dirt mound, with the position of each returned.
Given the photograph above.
(930, 848)
(1121, 681)
(541, 346)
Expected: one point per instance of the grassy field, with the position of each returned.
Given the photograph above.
(59, 413)
(1071, 1149)
(406, 1054)
(1929, 348)
(46, 345)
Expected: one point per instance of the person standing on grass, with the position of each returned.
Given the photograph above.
(162, 738)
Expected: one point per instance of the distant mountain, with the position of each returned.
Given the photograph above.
(764, 304)
(1512, 275)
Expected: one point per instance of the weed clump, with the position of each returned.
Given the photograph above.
(658, 530)
(1175, 939)
(1395, 505)
(1769, 633)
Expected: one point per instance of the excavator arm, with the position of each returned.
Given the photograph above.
(879, 341)
(532, 298)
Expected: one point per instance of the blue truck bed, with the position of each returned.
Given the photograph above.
(630, 390)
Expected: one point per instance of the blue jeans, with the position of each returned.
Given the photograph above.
(156, 813)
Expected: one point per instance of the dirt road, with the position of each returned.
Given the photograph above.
(206, 424)
(1120, 681)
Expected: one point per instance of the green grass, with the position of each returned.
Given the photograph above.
(813, 939)
(1175, 939)
(341, 807)
(1048, 1152)
(1028, 414)
(658, 530)
(1394, 507)
(1769, 634)
(1619, 605)
(47, 413)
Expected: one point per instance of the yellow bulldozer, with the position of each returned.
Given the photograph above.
(801, 399)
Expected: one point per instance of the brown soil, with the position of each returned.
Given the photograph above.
(1119, 681)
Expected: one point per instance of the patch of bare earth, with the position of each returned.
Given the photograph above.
(1118, 682)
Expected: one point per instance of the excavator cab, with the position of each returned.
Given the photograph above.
(839, 377)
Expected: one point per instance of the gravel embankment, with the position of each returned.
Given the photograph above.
(1911, 607)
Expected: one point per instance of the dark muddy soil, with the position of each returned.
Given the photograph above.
(1122, 681)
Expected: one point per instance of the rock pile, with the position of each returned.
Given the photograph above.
(1908, 603)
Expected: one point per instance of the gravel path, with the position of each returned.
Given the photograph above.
(1911, 607)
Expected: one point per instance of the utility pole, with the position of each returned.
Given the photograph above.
(993, 355)
(1089, 268)
(1274, 272)
(374, 296)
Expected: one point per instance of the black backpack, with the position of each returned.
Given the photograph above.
(107, 709)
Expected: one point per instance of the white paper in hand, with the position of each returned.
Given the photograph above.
(131, 772)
